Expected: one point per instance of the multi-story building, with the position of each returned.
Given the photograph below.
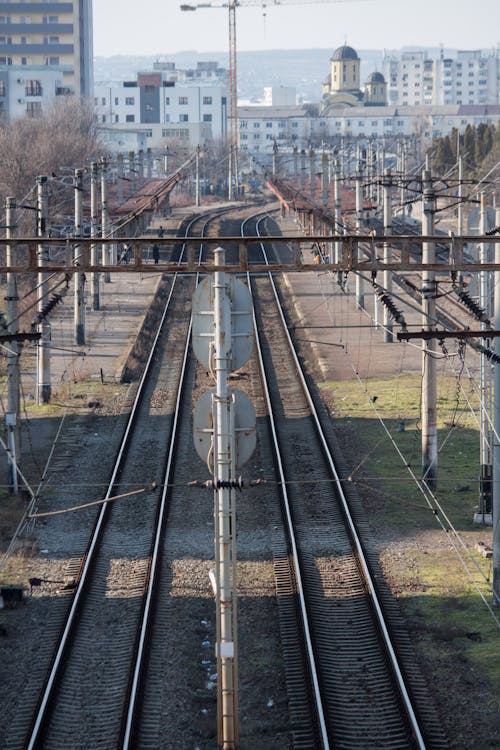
(260, 128)
(164, 105)
(45, 51)
(468, 77)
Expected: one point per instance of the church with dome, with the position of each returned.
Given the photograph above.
(342, 86)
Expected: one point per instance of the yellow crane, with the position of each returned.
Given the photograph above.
(233, 89)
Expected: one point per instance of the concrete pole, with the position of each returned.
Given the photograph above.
(165, 160)
(403, 189)
(197, 178)
(429, 389)
(224, 545)
(295, 161)
(387, 276)
(106, 249)
(303, 170)
(149, 163)
(131, 173)
(484, 379)
(13, 400)
(120, 174)
(460, 211)
(312, 170)
(43, 386)
(140, 167)
(94, 232)
(337, 209)
(79, 277)
(360, 290)
(324, 178)
(496, 438)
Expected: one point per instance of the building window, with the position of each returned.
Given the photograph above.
(33, 108)
(117, 118)
(243, 124)
(295, 124)
(5, 40)
(183, 100)
(183, 118)
(103, 118)
(116, 101)
(167, 100)
(33, 88)
(244, 137)
(207, 118)
(207, 100)
(129, 118)
(2, 88)
(50, 19)
(5, 60)
(148, 133)
(53, 61)
(167, 118)
(256, 124)
(269, 124)
(129, 100)
(103, 100)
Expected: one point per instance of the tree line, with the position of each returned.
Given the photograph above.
(478, 145)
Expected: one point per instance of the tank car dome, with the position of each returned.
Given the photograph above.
(345, 53)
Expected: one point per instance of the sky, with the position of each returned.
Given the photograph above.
(161, 28)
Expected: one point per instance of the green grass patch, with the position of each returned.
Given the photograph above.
(389, 450)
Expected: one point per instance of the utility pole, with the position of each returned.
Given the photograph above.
(43, 386)
(119, 171)
(312, 176)
(324, 177)
(131, 173)
(496, 435)
(106, 249)
(94, 220)
(429, 390)
(360, 292)
(303, 169)
(403, 189)
(337, 209)
(165, 160)
(13, 401)
(387, 276)
(484, 389)
(79, 277)
(225, 550)
(197, 179)
(460, 208)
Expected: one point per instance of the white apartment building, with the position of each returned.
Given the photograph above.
(45, 51)
(469, 77)
(261, 127)
(163, 106)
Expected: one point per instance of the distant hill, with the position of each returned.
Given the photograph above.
(305, 70)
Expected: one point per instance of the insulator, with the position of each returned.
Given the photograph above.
(386, 300)
(48, 307)
(473, 307)
(488, 353)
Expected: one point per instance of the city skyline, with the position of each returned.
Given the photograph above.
(164, 29)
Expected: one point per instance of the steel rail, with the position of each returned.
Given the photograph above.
(353, 531)
(127, 739)
(298, 572)
(44, 703)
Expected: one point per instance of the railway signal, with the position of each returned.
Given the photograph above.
(224, 435)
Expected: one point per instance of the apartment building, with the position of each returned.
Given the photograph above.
(260, 128)
(470, 77)
(45, 51)
(164, 106)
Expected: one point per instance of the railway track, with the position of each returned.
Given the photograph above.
(351, 677)
(123, 673)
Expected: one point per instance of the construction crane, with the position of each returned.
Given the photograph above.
(233, 88)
